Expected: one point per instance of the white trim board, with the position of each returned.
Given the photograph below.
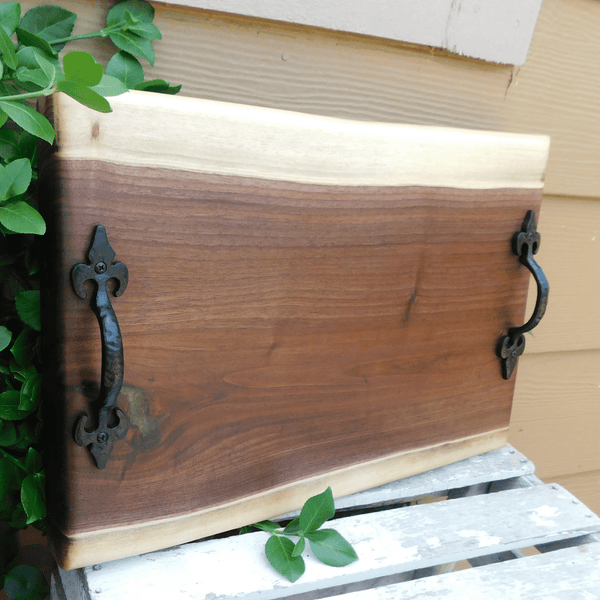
(493, 30)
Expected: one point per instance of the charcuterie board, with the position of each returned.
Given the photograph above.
(243, 306)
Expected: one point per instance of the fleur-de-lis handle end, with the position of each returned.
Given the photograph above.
(102, 439)
(525, 244)
(112, 422)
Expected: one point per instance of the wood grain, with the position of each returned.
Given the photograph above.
(276, 332)
(87, 548)
(288, 306)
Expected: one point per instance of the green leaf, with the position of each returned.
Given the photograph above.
(28, 148)
(22, 373)
(10, 476)
(33, 462)
(15, 178)
(10, 15)
(25, 582)
(9, 89)
(125, 68)
(9, 406)
(148, 31)
(269, 526)
(8, 49)
(30, 394)
(27, 435)
(50, 69)
(84, 95)
(279, 553)
(134, 44)
(27, 56)
(316, 511)
(140, 11)
(5, 337)
(28, 308)
(33, 497)
(28, 38)
(36, 76)
(23, 348)
(19, 217)
(81, 67)
(29, 119)
(50, 23)
(8, 437)
(159, 86)
(331, 548)
(299, 547)
(130, 19)
(293, 526)
(17, 144)
(110, 86)
(17, 376)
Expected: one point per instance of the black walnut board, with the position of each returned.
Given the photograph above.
(311, 302)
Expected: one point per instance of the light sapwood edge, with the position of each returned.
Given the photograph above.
(206, 136)
(84, 549)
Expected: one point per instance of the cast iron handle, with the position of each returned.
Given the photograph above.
(112, 422)
(525, 244)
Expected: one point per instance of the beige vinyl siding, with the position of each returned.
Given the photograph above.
(556, 416)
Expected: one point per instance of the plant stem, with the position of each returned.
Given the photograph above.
(81, 36)
(86, 36)
(13, 459)
(45, 92)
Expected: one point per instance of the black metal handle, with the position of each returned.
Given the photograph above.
(525, 244)
(112, 422)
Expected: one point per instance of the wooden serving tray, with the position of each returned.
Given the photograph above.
(311, 302)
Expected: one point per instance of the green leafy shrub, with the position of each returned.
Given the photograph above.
(30, 68)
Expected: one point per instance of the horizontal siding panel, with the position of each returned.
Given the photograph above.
(498, 32)
(570, 256)
(586, 486)
(556, 412)
(556, 92)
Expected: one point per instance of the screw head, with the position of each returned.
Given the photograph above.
(102, 437)
(100, 268)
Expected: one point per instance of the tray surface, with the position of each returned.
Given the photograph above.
(311, 302)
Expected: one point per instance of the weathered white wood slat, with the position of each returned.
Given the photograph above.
(571, 574)
(389, 542)
(495, 466)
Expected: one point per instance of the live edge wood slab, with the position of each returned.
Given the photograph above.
(311, 302)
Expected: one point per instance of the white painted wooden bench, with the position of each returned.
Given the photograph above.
(523, 539)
